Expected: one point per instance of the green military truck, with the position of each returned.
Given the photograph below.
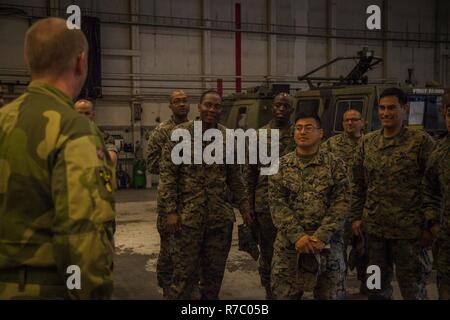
(253, 108)
(331, 103)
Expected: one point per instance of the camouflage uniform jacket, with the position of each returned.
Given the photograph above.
(158, 138)
(436, 202)
(258, 185)
(342, 146)
(56, 197)
(310, 198)
(387, 177)
(198, 191)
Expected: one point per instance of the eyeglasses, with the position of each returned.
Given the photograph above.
(308, 128)
(352, 119)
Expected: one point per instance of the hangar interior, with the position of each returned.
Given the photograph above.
(150, 47)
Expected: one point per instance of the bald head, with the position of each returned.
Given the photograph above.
(85, 107)
(51, 49)
(177, 94)
(285, 98)
(179, 105)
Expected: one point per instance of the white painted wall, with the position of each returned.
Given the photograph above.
(176, 54)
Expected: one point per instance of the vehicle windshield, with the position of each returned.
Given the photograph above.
(426, 110)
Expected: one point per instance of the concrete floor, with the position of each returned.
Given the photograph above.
(137, 247)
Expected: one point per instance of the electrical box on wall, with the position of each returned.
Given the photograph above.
(137, 111)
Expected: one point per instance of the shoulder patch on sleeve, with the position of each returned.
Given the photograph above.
(104, 176)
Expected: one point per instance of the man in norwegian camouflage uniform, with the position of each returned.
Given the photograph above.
(309, 199)
(258, 185)
(86, 108)
(344, 146)
(197, 210)
(56, 197)
(387, 174)
(436, 206)
(159, 137)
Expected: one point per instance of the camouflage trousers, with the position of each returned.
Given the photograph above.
(205, 248)
(266, 238)
(164, 266)
(341, 286)
(290, 284)
(412, 267)
(441, 253)
(360, 266)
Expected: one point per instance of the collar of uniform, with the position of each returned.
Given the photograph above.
(190, 128)
(316, 160)
(172, 121)
(172, 118)
(392, 141)
(347, 136)
(288, 130)
(39, 87)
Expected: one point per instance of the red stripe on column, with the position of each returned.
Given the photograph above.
(220, 86)
(237, 17)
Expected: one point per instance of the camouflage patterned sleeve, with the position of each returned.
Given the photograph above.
(326, 145)
(358, 184)
(83, 223)
(339, 204)
(168, 177)
(109, 142)
(250, 176)
(432, 196)
(283, 217)
(155, 144)
(426, 149)
(237, 187)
